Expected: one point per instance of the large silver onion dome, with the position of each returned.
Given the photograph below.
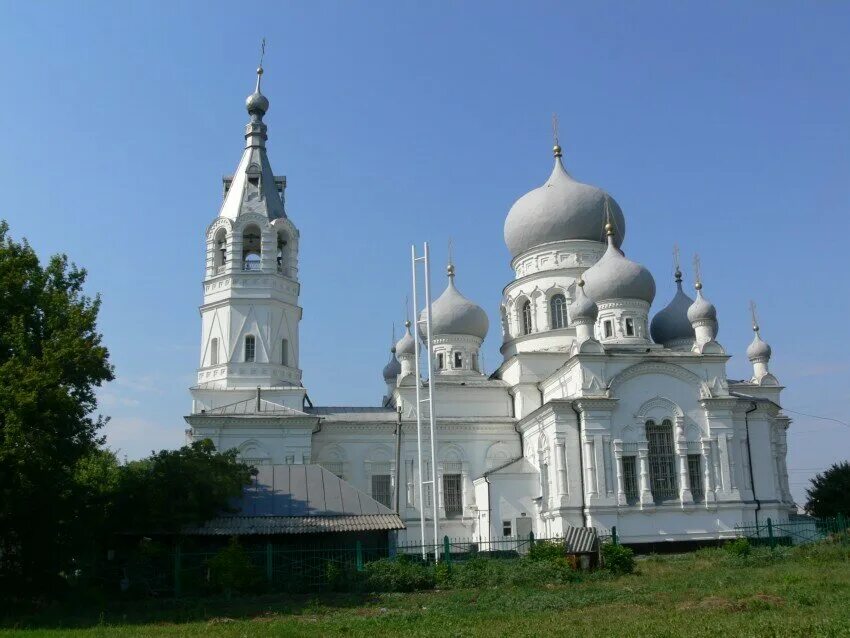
(615, 277)
(393, 367)
(671, 324)
(561, 209)
(454, 314)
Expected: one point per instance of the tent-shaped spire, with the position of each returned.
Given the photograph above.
(254, 188)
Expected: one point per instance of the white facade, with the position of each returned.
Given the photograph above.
(589, 420)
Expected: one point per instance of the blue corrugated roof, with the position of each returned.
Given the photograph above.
(300, 499)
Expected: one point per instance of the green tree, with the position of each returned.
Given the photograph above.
(174, 488)
(51, 360)
(829, 494)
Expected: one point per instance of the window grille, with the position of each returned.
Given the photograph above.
(630, 479)
(695, 476)
(662, 461)
(214, 352)
(382, 489)
(250, 348)
(558, 311)
(630, 327)
(526, 318)
(452, 495)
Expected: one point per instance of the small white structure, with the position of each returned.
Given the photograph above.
(597, 416)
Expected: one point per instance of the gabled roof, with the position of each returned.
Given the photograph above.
(256, 407)
(518, 466)
(300, 499)
(353, 413)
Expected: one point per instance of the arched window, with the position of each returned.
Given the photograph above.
(250, 348)
(558, 311)
(284, 352)
(281, 253)
(526, 318)
(251, 250)
(662, 461)
(220, 248)
(214, 352)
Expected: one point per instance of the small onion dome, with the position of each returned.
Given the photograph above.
(561, 209)
(405, 345)
(583, 309)
(454, 314)
(701, 309)
(393, 367)
(257, 102)
(671, 323)
(615, 277)
(758, 350)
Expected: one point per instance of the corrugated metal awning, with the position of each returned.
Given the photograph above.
(272, 525)
(300, 499)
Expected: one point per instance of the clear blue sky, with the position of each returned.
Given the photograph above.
(718, 126)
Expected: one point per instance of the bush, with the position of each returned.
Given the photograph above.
(442, 575)
(546, 550)
(337, 577)
(618, 559)
(231, 570)
(740, 547)
(398, 574)
(474, 572)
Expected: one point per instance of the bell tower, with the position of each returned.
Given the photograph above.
(250, 313)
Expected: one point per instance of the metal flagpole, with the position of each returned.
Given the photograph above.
(431, 415)
(418, 403)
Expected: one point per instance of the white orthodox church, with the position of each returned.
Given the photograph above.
(597, 416)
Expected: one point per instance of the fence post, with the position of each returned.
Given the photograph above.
(530, 540)
(177, 569)
(447, 551)
(614, 535)
(841, 528)
(269, 562)
(359, 556)
(771, 540)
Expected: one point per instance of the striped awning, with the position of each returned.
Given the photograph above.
(581, 540)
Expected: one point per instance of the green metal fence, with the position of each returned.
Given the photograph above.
(175, 571)
(797, 531)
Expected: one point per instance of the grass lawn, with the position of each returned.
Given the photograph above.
(801, 592)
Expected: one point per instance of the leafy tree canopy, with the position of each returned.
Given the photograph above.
(174, 488)
(51, 360)
(62, 494)
(829, 494)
